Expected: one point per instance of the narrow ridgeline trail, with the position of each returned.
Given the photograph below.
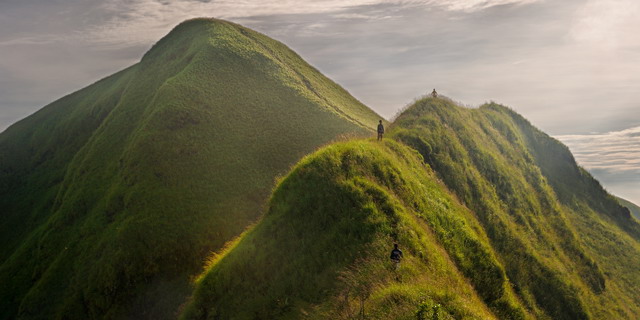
(494, 217)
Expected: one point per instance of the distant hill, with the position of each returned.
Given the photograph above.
(495, 217)
(635, 210)
(112, 197)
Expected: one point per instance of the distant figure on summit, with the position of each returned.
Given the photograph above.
(396, 255)
(434, 93)
(380, 130)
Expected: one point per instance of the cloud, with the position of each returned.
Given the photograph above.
(156, 17)
(475, 5)
(617, 152)
(608, 24)
(27, 41)
(613, 158)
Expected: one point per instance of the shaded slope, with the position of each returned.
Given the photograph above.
(35, 152)
(633, 208)
(568, 248)
(322, 248)
(129, 183)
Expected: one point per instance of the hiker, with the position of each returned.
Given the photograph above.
(380, 130)
(434, 93)
(396, 255)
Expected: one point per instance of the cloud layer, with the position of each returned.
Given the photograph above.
(156, 16)
(617, 151)
(612, 157)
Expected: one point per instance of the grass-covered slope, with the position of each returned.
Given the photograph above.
(35, 152)
(112, 196)
(321, 251)
(570, 250)
(495, 217)
(635, 210)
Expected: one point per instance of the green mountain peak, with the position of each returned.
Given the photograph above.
(115, 194)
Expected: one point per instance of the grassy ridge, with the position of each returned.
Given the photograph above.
(529, 245)
(322, 249)
(518, 182)
(149, 170)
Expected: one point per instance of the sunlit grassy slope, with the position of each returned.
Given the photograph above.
(323, 246)
(570, 250)
(495, 217)
(111, 197)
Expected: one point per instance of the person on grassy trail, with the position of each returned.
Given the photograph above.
(380, 130)
(434, 93)
(396, 255)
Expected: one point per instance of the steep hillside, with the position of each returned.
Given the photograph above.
(495, 217)
(569, 248)
(635, 210)
(321, 251)
(113, 196)
(35, 152)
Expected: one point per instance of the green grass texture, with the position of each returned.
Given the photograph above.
(569, 249)
(112, 197)
(322, 248)
(495, 217)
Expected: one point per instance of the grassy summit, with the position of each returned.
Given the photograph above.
(113, 196)
(495, 218)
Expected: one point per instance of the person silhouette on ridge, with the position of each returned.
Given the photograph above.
(434, 93)
(396, 255)
(380, 130)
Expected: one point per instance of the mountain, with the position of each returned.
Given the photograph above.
(112, 197)
(635, 210)
(495, 218)
(570, 250)
(323, 245)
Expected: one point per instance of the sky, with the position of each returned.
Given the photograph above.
(572, 67)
